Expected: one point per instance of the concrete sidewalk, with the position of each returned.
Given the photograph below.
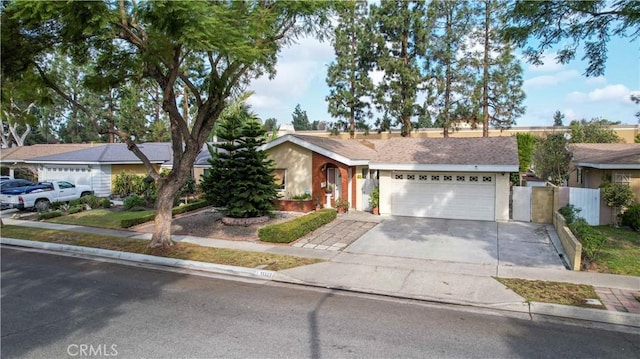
(438, 281)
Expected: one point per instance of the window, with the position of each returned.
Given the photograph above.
(579, 175)
(473, 178)
(280, 178)
(399, 177)
(423, 177)
(486, 179)
(411, 177)
(64, 185)
(448, 178)
(435, 178)
(460, 178)
(622, 178)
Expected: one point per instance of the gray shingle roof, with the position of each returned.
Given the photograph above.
(352, 149)
(442, 151)
(112, 153)
(607, 153)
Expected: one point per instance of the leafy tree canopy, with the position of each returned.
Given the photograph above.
(590, 23)
(551, 158)
(212, 48)
(595, 131)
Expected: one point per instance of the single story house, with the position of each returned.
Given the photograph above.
(98, 165)
(595, 163)
(14, 158)
(457, 178)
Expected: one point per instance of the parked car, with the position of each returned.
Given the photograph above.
(42, 194)
(9, 184)
(4, 178)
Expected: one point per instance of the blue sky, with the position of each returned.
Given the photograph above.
(302, 71)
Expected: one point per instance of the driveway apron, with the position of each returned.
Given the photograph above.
(475, 242)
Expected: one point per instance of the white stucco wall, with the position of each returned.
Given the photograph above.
(502, 197)
(385, 192)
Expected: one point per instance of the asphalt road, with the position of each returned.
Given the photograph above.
(57, 306)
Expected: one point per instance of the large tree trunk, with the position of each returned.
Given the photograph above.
(164, 204)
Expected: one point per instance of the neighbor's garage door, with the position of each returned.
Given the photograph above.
(79, 174)
(443, 195)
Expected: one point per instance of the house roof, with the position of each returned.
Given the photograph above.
(112, 153)
(492, 154)
(22, 153)
(349, 152)
(607, 155)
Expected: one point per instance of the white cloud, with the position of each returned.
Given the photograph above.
(548, 80)
(549, 64)
(595, 81)
(298, 66)
(610, 93)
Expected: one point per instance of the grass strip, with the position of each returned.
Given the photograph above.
(552, 292)
(188, 251)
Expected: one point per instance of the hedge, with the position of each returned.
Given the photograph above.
(592, 240)
(126, 223)
(190, 207)
(288, 232)
(130, 222)
(49, 215)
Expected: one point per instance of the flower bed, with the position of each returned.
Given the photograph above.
(294, 205)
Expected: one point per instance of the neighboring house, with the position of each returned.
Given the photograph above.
(15, 157)
(595, 163)
(98, 165)
(457, 178)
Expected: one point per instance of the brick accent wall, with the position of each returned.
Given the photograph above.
(317, 162)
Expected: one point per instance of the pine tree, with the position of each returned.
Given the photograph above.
(241, 176)
(300, 119)
(557, 118)
(348, 76)
(500, 82)
(400, 32)
(450, 80)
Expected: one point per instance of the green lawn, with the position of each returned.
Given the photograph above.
(101, 218)
(552, 292)
(621, 252)
(178, 250)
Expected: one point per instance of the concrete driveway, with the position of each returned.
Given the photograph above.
(474, 242)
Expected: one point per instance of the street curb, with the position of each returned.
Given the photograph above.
(530, 309)
(514, 307)
(145, 258)
(589, 314)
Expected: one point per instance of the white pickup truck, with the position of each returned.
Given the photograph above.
(42, 194)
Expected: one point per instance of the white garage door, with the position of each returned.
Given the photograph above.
(444, 195)
(78, 174)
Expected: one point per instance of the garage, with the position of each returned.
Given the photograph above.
(452, 195)
(76, 174)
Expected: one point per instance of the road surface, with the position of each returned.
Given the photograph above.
(58, 306)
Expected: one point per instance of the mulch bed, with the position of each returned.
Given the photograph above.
(208, 223)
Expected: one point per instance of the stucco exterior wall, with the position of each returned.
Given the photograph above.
(358, 184)
(502, 197)
(296, 161)
(385, 192)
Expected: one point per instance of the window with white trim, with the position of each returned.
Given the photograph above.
(280, 178)
(622, 178)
